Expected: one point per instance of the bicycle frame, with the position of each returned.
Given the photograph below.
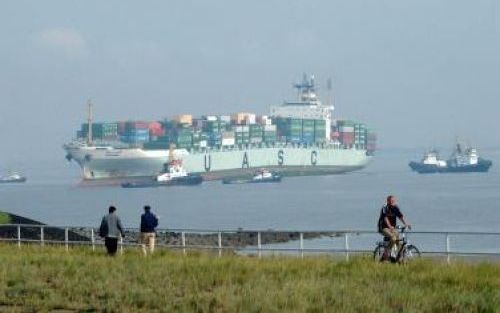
(402, 243)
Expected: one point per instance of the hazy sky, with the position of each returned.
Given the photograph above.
(418, 72)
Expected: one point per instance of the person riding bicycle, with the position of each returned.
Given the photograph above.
(387, 223)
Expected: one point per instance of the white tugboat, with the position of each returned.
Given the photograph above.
(12, 178)
(173, 174)
(266, 176)
(261, 176)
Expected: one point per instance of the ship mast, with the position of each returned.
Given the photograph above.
(171, 149)
(89, 133)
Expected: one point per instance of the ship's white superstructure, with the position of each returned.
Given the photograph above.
(432, 158)
(309, 106)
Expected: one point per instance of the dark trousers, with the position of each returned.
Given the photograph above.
(111, 245)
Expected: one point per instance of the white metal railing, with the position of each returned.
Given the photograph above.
(262, 241)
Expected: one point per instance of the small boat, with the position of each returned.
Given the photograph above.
(261, 176)
(173, 174)
(463, 160)
(12, 178)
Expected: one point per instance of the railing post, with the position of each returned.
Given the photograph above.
(301, 241)
(66, 238)
(259, 244)
(346, 246)
(92, 239)
(19, 236)
(448, 248)
(183, 241)
(219, 242)
(41, 236)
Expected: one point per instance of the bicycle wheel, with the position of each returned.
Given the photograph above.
(410, 253)
(378, 252)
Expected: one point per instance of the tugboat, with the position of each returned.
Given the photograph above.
(261, 176)
(430, 163)
(173, 174)
(463, 160)
(12, 178)
(467, 160)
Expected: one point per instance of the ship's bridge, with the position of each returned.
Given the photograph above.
(308, 106)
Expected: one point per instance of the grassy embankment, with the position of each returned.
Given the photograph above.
(49, 278)
(4, 218)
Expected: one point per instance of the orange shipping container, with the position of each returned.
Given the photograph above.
(184, 119)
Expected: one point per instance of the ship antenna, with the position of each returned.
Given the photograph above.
(171, 152)
(329, 87)
(89, 138)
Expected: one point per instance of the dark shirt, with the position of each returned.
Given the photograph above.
(391, 212)
(149, 221)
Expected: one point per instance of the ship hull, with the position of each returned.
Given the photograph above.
(190, 180)
(98, 164)
(13, 180)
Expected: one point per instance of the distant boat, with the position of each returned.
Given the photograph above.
(12, 178)
(463, 160)
(261, 176)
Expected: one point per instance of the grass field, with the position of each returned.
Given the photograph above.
(49, 278)
(4, 218)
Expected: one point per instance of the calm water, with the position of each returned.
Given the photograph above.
(454, 202)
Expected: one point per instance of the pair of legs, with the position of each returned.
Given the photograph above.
(111, 244)
(148, 239)
(393, 236)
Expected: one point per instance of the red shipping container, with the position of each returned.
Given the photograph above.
(346, 138)
(136, 125)
(157, 132)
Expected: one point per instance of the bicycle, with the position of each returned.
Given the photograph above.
(405, 253)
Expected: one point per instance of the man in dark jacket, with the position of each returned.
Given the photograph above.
(390, 214)
(149, 222)
(111, 229)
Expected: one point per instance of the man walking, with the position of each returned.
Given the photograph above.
(111, 229)
(149, 222)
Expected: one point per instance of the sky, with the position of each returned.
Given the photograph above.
(419, 73)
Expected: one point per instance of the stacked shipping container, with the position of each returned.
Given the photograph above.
(346, 132)
(101, 131)
(223, 131)
(136, 132)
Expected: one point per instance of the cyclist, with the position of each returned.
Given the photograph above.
(387, 223)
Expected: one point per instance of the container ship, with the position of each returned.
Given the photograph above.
(296, 138)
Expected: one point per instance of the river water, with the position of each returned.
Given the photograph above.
(441, 202)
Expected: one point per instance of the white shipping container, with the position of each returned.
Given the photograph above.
(269, 128)
(250, 119)
(211, 118)
(346, 129)
(225, 118)
(228, 141)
